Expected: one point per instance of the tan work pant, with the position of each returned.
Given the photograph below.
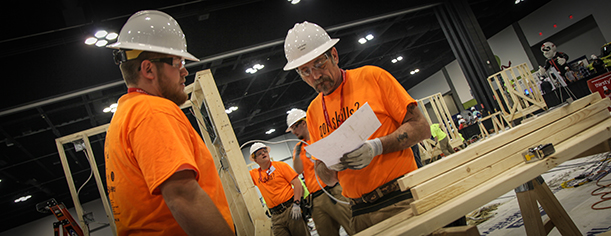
(284, 225)
(445, 146)
(364, 221)
(328, 216)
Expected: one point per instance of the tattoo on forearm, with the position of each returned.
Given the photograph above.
(402, 137)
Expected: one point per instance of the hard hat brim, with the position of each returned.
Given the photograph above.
(151, 48)
(310, 55)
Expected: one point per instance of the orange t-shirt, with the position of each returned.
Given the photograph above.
(274, 183)
(308, 168)
(148, 140)
(389, 100)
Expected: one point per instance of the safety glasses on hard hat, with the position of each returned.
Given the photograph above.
(319, 64)
(178, 63)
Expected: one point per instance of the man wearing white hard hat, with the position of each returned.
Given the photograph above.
(161, 177)
(327, 213)
(274, 180)
(367, 174)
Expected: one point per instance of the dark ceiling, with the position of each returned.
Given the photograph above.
(60, 85)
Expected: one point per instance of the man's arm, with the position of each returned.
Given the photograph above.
(191, 206)
(297, 164)
(297, 189)
(328, 176)
(414, 129)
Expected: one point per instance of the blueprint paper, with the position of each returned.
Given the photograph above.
(349, 136)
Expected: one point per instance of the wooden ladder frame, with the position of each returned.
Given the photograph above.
(511, 84)
(442, 113)
(246, 210)
(498, 123)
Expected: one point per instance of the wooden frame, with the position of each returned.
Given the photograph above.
(512, 100)
(246, 210)
(452, 187)
(441, 112)
(498, 123)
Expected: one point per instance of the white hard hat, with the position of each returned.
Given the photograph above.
(153, 31)
(294, 116)
(458, 116)
(473, 108)
(304, 42)
(257, 146)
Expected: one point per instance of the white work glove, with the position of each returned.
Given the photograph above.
(296, 212)
(541, 70)
(362, 156)
(561, 60)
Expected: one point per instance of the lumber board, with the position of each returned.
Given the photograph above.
(554, 133)
(554, 210)
(530, 213)
(488, 191)
(473, 151)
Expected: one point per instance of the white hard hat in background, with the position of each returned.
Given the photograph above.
(304, 42)
(294, 116)
(153, 31)
(257, 146)
(458, 116)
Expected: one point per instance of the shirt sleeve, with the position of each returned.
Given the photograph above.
(161, 145)
(396, 99)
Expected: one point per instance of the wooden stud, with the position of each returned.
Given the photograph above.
(531, 216)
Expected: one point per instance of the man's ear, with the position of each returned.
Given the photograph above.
(335, 55)
(147, 69)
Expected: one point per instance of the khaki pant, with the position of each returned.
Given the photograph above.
(284, 225)
(445, 146)
(364, 221)
(328, 216)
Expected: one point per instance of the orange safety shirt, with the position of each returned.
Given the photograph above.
(389, 101)
(148, 140)
(308, 168)
(275, 182)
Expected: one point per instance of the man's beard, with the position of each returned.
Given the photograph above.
(169, 90)
(324, 87)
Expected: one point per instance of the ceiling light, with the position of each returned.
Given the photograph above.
(270, 131)
(101, 43)
(258, 66)
(399, 58)
(362, 40)
(294, 1)
(251, 70)
(91, 41)
(369, 37)
(417, 70)
(255, 68)
(231, 109)
(112, 36)
(394, 60)
(23, 199)
(101, 34)
(112, 108)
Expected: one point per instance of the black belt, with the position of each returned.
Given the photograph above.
(320, 192)
(377, 193)
(281, 207)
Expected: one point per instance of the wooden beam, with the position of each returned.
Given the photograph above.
(491, 189)
(509, 155)
(473, 151)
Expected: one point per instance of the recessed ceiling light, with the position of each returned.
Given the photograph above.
(112, 36)
(101, 34)
(101, 43)
(369, 37)
(91, 41)
(23, 199)
(362, 40)
(270, 131)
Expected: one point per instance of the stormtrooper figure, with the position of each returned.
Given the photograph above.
(554, 59)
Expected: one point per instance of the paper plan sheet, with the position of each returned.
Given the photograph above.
(349, 136)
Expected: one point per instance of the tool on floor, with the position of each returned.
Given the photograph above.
(538, 152)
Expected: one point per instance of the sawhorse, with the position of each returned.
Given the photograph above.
(535, 191)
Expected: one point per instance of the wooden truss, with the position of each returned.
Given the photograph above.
(449, 189)
(444, 118)
(246, 210)
(498, 123)
(516, 92)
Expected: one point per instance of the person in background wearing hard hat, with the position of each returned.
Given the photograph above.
(327, 213)
(441, 139)
(161, 177)
(367, 174)
(274, 179)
